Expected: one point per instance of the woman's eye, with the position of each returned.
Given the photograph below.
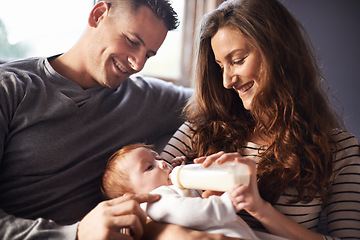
(221, 67)
(239, 61)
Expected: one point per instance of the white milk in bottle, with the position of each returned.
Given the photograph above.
(215, 177)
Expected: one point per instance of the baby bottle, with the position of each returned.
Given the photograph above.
(215, 177)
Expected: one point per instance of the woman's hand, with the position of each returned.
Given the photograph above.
(247, 197)
(108, 218)
(242, 197)
(208, 160)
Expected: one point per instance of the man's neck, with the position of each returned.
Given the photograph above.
(71, 67)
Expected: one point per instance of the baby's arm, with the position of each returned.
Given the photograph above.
(194, 212)
(161, 231)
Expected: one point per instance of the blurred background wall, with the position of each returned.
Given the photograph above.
(333, 26)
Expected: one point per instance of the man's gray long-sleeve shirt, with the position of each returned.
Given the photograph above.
(56, 137)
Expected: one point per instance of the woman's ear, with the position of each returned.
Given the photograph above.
(99, 11)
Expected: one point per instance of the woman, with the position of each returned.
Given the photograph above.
(259, 99)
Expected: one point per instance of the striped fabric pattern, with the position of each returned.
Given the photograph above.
(340, 219)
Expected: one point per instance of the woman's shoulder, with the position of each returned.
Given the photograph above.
(344, 140)
(339, 135)
(179, 144)
(346, 150)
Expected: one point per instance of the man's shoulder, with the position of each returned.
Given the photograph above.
(25, 64)
(21, 72)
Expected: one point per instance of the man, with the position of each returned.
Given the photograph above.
(62, 117)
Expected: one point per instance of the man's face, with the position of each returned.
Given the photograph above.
(123, 43)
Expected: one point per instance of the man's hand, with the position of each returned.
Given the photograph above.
(108, 218)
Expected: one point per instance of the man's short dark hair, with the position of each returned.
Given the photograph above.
(161, 8)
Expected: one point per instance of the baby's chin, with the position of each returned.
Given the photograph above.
(167, 183)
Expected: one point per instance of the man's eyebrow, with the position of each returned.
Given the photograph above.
(143, 43)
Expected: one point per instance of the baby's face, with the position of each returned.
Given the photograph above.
(146, 170)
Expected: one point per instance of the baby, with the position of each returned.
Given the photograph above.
(138, 169)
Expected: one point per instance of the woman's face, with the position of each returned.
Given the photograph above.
(239, 61)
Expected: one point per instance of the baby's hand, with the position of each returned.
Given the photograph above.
(178, 161)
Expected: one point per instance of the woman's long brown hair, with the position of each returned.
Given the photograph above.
(290, 107)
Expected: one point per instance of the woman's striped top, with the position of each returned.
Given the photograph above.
(339, 219)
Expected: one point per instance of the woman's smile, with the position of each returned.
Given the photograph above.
(242, 90)
(239, 61)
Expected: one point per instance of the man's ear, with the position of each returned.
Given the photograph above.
(99, 11)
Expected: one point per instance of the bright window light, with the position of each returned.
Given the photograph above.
(44, 28)
(167, 62)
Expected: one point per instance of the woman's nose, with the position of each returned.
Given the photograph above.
(229, 78)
